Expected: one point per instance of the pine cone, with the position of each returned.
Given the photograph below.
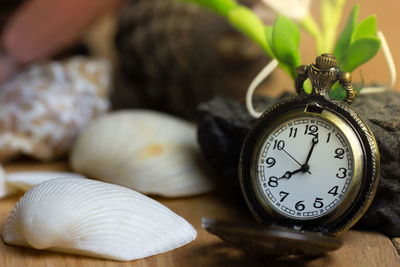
(175, 55)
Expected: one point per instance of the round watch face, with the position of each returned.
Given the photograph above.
(305, 166)
(309, 164)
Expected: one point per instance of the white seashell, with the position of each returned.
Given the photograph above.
(14, 182)
(147, 151)
(93, 218)
(5, 188)
(43, 108)
(25, 180)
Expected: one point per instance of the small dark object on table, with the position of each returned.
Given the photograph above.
(271, 239)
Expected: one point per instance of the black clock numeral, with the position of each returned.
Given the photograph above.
(273, 181)
(279, 144)
(334, 190)
(299, 205)
(270, 162)
(342, 173)
(339, 153)
(283, 195)
(293, 132)
(318, 203)
(328, 138)
(311, 130)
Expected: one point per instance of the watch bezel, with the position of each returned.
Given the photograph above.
(344, 215)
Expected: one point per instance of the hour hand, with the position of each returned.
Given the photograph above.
(289, 174)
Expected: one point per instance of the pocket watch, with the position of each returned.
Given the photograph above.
(311, 163)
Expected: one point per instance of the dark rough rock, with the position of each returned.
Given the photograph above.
(175, 55)
(224, 124)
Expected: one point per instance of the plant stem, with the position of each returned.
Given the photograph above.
(309, 25)
(331, 12)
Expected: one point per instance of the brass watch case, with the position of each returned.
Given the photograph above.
(366, 164)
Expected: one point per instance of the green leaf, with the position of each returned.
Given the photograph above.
(248, 23)
(344, 40)
(338, 92)
(268, 30)
(285, 40)
(307, 86)
(288, 70)
(360, 52)
(221, 7)
(366, 28)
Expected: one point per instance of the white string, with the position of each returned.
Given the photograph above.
(264, 73)
(392, 69)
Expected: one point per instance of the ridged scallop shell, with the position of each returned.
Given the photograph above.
(93, 218)
(147, 151)
(43, 108)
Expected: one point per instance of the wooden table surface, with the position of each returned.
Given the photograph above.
(360, 248)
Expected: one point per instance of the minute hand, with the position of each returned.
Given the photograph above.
(302, 166)
(314, 142)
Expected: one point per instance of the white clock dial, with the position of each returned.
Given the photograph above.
(304, 167)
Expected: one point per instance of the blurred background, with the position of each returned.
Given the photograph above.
(166, 55)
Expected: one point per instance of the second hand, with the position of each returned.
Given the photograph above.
(293, 158)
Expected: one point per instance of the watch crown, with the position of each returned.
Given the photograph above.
(323, 75)
(326, 61)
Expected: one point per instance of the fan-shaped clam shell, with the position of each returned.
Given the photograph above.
(150, 152)
(93, 218)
